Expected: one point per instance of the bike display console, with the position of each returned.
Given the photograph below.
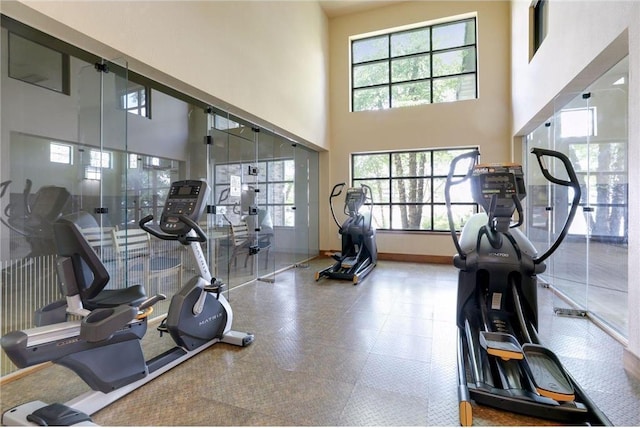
(186, 198)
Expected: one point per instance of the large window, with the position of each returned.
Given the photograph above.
(431, 64)
(408, 188)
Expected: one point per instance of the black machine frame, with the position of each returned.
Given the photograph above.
(359, 253)
(501, 360)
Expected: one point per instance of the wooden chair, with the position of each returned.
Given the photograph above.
(133, 250)
(238, 242)
(100, 239)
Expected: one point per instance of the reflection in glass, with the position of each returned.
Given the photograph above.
(592, 130)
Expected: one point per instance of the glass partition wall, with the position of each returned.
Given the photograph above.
(264, 190)
(590, 269)
(102, 147)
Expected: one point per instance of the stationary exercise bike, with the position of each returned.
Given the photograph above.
(104, 347)
(501, 361)
(359, 253)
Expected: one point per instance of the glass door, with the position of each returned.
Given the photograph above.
(261, 220)
(301, 241)
(606, 218)
(234, 169)
(282, 201)
(591, 128)
(101, 163)
(572, 131)
(539, 197)
(313, 197)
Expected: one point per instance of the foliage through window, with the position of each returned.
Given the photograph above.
(430, 64)
(148, 180)
(408, 188)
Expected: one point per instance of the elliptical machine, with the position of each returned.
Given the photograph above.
(359, 253)
(501, 362)
(35, 217)
(104, 347)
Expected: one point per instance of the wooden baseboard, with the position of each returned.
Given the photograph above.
(8, 378)
(411, 258)
(631, 364)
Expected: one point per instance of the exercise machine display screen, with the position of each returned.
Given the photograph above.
(185, 198)
(498, 181)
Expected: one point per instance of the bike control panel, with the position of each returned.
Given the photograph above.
(186, 198)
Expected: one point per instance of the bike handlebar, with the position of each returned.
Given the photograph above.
(184, 238)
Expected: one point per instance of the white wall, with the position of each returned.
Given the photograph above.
(584, 40)
(485, 121)
(267, 61)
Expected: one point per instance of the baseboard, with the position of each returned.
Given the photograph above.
(631, 364)
(411, 258)
(19, 374)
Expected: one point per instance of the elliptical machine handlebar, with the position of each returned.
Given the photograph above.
(474, 154)
(183, 238)
(573, 183)
(335, 192)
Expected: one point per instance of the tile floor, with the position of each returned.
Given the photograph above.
(381, 353)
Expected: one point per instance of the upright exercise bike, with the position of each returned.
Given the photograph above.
(104, 347)
(359, 253)
(501, 362)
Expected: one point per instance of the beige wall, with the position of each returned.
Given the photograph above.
(485, 121)
(585, 38)
(267, 61)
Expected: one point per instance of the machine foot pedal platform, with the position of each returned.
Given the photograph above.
(547, 373)
(501, 345)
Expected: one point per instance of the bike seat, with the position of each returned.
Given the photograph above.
(132, 296)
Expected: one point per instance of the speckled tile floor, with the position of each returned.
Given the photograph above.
(381, 353)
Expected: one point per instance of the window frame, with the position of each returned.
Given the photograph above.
(63, 84)
(59, 155)
(430, 176)
(264, 185)
(140, 109)
(540, 24)
(389, 60)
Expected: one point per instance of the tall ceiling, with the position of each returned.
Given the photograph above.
(335, 8)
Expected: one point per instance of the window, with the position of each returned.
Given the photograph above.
(133, 161)
(147, 184)
(37, 64)
(60, 153)
(408, 188)
(100, 159)
(540, 23)
(578, 122)
(275, 182)
(430, 64)
(135, 101)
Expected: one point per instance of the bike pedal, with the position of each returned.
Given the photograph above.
(162, 328)
(215, 287)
